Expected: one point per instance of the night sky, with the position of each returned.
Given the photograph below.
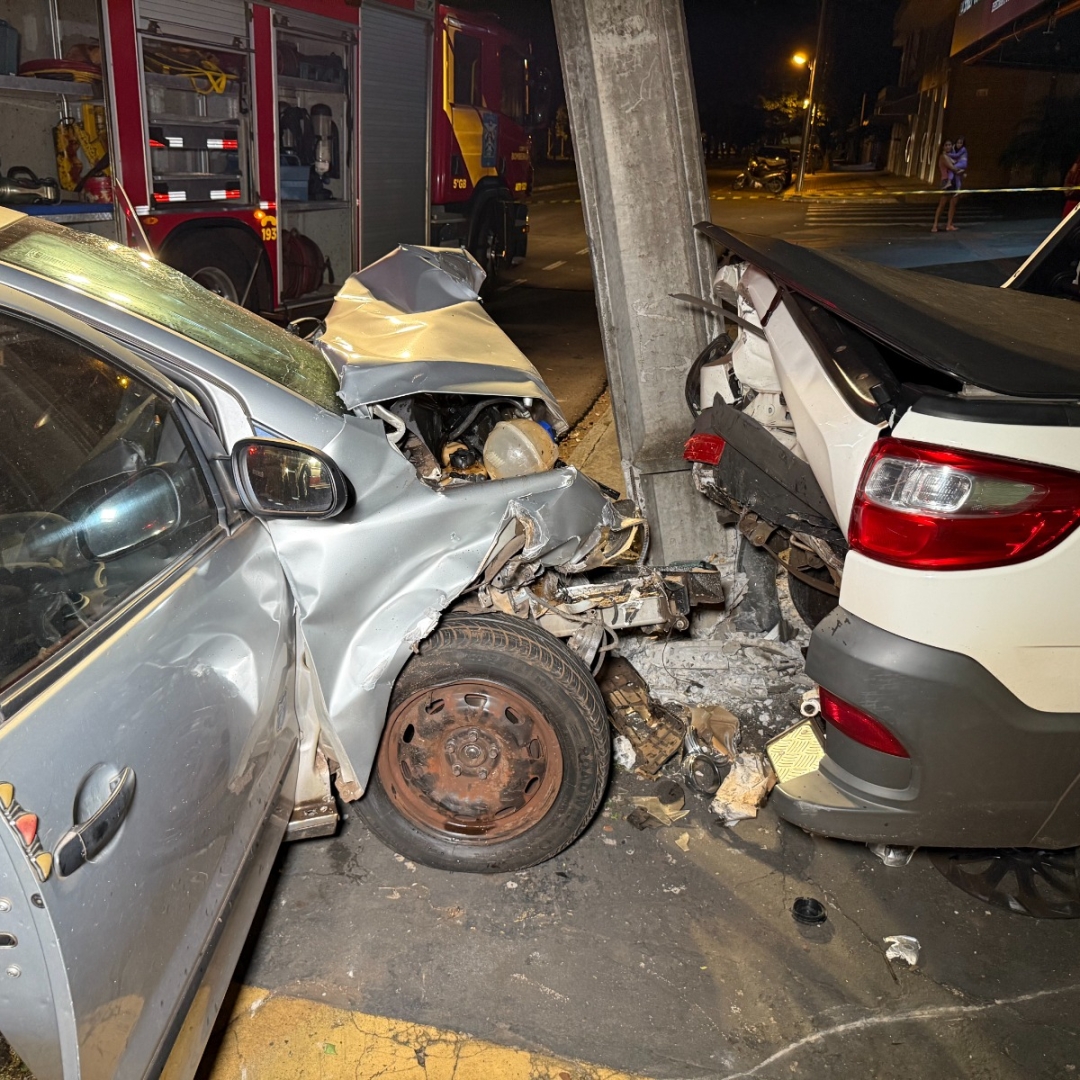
(740, 50)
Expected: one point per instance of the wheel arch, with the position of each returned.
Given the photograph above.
(491, 189)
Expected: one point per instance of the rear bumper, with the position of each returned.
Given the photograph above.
(985, 769)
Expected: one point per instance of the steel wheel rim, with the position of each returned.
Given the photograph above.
(473, 761)
(217, 281)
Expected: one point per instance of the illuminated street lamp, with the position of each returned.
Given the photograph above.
(800, 59)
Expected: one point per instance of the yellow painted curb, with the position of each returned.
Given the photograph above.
(270, 1037)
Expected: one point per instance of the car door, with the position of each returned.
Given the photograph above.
(147, 729)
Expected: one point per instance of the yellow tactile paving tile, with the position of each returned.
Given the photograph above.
(272, 1037)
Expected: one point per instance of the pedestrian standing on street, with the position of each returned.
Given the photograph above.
(946, 180)
(1072, 185)
(960, 167)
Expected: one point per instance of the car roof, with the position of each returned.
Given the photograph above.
(1010, 342)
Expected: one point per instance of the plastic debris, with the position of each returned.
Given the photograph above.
(892, 854)
(682, 841)
(654, 733)
(808, 911)
(902, 947)
(744, 789)
(655, 812)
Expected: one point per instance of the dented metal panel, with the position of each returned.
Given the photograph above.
(412, 323)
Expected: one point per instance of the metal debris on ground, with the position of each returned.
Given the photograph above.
(759, 678)
(892, 854)
(709, 747)
(654, 733)
(902, 947)
(744, 789)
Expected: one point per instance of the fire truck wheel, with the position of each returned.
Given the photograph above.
(490, 243)
(217, 260)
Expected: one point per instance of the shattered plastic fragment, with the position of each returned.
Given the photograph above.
(654, 732)
(744, 790)
(661, 813)
(682, 841)
(902, 947)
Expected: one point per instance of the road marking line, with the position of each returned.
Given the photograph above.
(583, 251)
(554, 265)
(513, 284)
(324, 1043)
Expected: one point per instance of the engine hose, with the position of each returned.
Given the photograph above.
(472, 414)
(719, 346)
(396, 424)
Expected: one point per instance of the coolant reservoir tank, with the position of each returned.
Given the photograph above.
(518, 448)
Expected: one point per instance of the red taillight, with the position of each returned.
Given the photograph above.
(930, 508)
(860, 726)
(704, 448)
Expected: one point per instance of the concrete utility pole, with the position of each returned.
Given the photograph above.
(808, 123)
(637, 143)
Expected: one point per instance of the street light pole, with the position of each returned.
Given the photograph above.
(804, 153)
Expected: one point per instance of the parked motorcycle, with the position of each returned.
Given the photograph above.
(768, 169)
(904, 449)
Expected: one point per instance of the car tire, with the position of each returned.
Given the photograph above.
(489, 238)
(812, 604)
(218, 260)
(496, 752)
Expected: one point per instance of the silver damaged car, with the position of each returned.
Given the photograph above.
(244, 576)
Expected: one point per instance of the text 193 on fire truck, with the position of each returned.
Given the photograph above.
(268, 150)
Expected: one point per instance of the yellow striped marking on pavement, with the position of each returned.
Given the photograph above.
(272, 1037)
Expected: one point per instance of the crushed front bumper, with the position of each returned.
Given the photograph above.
(985, 769)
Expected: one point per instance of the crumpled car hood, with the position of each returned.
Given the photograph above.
(412, 323)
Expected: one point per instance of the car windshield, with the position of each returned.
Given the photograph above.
(134, 282)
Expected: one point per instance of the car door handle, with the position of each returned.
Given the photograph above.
(88, 839)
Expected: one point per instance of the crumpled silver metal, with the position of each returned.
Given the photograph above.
(412, 323)
(371, 584)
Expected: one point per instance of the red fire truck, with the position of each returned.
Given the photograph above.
(268, 149)
(484, 103)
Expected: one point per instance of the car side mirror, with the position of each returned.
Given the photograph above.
(142, 509)
(276, 478)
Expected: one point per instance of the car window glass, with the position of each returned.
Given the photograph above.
(137, 283)
(467, 70)
(512, 72)
(99, 492)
